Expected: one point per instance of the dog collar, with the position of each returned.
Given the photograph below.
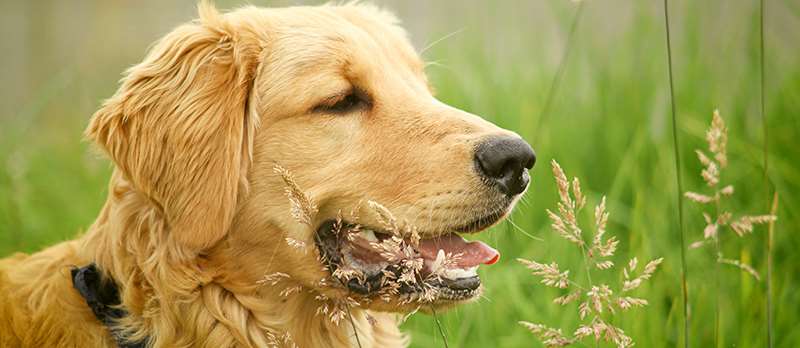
(102, 296)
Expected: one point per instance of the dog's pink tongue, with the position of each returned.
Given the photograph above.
(472, 253)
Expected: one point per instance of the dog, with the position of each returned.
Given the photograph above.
(198, 245)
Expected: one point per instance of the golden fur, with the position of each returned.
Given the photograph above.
(195, 216)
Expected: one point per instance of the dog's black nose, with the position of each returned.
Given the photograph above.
(505, 161)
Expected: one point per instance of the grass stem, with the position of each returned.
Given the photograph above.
(717, 278)
(551, 92)
(439, 326)
(353, 324)
(770, 232)
(718, 306)
(347, 306)
(765, 128)
(588, 278)
(676, 147)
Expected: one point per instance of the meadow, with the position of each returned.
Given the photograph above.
(608, 122)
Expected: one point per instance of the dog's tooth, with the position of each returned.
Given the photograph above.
(368, 235)
(457, 273)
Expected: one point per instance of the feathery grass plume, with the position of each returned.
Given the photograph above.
(399, 248)
(335, 309)
(718, 218)
(597, 303)
(280, 340)
(273, 278)
(385, 217)
(297, 244)
(444, 261)
(286, 292)
(549, 336)
(303, 208)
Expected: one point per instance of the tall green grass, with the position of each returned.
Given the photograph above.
(609, 123)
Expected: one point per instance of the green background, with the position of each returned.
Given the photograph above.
(609, 124)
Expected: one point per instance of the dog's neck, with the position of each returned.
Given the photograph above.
(175, 297)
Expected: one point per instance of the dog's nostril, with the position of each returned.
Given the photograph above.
(505, 162)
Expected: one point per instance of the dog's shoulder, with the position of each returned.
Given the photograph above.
(39, 306)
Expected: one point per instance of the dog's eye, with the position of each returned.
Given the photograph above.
(348, 103)
(344, 104)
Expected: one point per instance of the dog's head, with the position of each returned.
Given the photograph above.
(338, 97)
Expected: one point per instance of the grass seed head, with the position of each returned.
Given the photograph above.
(596, 301)
(273, 278)
(550, 337)
(717, 139)
(303, 208)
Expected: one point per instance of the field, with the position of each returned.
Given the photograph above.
(609, 123)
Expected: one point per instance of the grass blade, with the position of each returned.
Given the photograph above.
(679, 182)
(770, 231)
(773, 210)
(551, 92)
(439, 326)
(353, 324)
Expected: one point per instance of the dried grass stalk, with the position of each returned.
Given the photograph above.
(303, 209)
(719, 219)
(597, 303)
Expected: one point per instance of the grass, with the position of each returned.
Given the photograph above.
(609, 123)
(599, 302)
(678, 179)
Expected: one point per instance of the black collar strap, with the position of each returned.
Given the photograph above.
(102, 296)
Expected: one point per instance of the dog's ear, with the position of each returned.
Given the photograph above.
(178, 126)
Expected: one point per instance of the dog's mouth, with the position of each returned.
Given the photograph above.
(394, 262)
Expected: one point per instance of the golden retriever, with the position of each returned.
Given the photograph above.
(195, 235)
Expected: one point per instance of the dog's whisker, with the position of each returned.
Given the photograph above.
(439, 64)
(521, 230)
(525, 200)
(437, 41)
